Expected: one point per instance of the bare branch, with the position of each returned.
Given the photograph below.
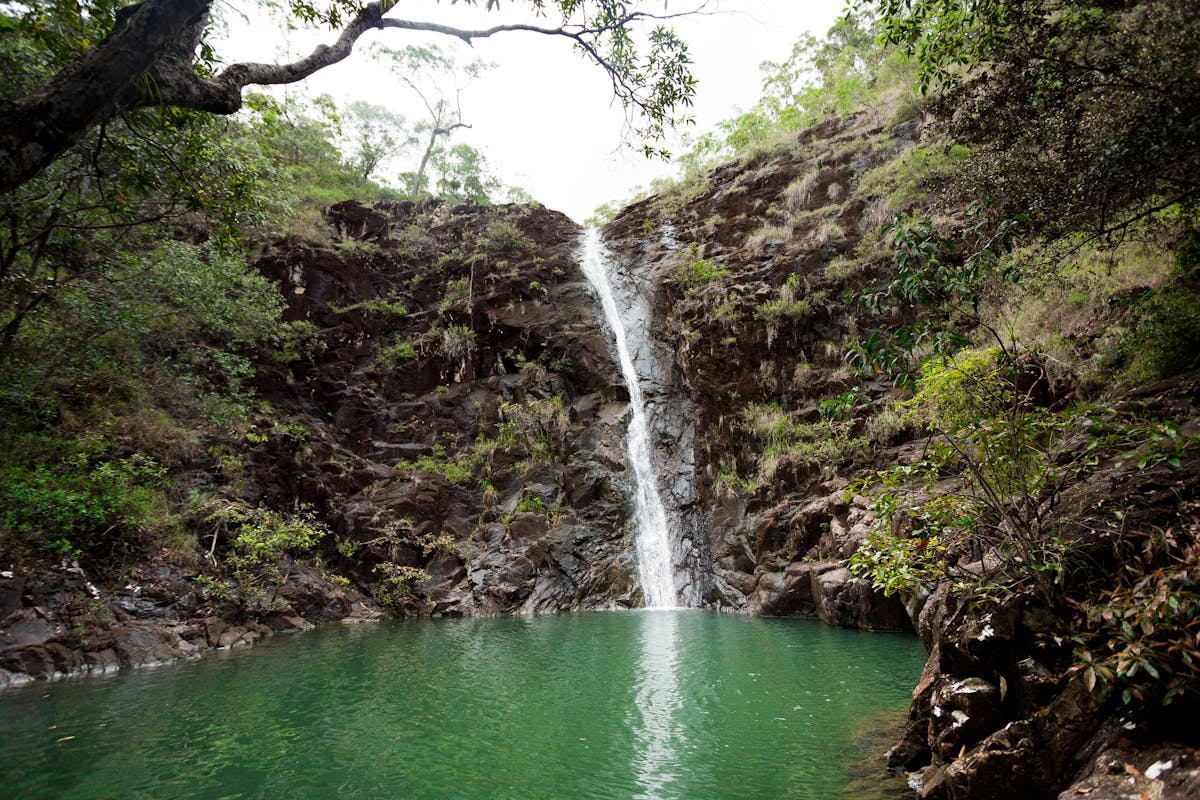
(148, 60)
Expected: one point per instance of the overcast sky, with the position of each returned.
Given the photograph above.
(544, 116)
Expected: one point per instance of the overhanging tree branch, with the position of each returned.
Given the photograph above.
(149, 60)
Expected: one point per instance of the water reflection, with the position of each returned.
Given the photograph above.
(656, 718)
(660, 705)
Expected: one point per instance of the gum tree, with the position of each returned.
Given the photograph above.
(105, 58)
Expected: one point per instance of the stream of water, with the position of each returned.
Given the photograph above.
(659, 705)
(652, 540)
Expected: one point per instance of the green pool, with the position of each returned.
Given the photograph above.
(656, 704)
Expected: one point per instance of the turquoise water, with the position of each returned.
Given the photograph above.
(656, 704)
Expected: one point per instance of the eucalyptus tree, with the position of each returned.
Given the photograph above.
(105, 58)
(437, 80)
(377, 135)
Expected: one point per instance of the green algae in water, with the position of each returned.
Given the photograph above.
(660, 704)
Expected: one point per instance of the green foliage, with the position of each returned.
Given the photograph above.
(396, 583)
(986, 484)
(258, 538)
(825, 446)
(446, 341)
(377, 136)
(299, 167)
(460, 470)
(395, 354)
(836, 75)
(895, 565)
(463, 175)
(845, 405)
(538, 426)
(792, 304)
(1003, 450)
(939, 281)
(1164, 330)
(502, 236)
(182, 313)
(532, 504)
(695, 272)
(380, 305)
(84, 503)
(1084, 115)
(456, 291)
(1142, 636)
(917, 173)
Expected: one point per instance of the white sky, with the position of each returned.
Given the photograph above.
(545, 117)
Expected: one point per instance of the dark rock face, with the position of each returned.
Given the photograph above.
(474, 439)
(452, 414)
(778, 546)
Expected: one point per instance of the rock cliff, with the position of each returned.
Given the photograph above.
(451, 412)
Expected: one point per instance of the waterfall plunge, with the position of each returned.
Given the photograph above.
(652, 540)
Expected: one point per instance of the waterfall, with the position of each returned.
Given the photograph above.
(652, 538)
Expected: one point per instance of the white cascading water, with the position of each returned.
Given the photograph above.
(652, 539)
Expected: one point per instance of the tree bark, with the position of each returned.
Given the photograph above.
(148, 59)
(96, 86)
(437, 131)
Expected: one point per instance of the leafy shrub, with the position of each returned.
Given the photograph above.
(502, 236)
(79, 506)
(396, 583)
(695, 273)
(260, 537)
(985, 487)
(1143, 634)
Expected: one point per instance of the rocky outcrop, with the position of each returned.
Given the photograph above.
(464, 416)
(713, 265)
(57, 622)
(448, 410)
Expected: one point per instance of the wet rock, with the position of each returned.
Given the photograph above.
(844, 601)
(963, 712)
(1127, 768)
(27, 626)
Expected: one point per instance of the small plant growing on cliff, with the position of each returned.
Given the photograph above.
(695, 272)
(845, 405)
(459, 471)
(260, 537)
(792, 304)
(821, 446)
(456, 292)
(380, 305)
(395, 354)
(295, 340)
(539, 426)
(396, 583)
(440, 543)
(501, 236)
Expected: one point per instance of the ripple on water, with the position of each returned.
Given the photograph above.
(669, 704)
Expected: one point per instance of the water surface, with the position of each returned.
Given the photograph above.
(667, 705)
